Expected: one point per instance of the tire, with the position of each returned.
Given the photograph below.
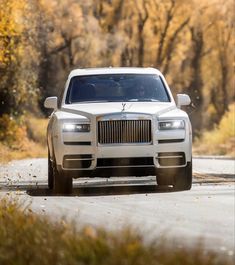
(180, 178)
(50, 173)
(164, 180)
(165, 177)
(63, 185)
(183, 178)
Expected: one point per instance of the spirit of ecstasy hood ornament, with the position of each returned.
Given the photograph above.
(123, 106)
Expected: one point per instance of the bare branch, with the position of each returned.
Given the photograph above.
(65, 45)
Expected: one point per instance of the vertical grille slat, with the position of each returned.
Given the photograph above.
(112, 134)
(124, 131)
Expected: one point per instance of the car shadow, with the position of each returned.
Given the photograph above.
(102, 190)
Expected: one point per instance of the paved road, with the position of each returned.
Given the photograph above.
(214, 165)
(206, 212)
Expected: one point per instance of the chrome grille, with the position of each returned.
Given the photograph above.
(124, 131)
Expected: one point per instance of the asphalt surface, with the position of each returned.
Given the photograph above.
(206, 213)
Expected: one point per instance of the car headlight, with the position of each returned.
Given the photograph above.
(171, 125)
(69, 127)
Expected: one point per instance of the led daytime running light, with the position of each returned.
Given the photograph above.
(171, 125)
(68, 127)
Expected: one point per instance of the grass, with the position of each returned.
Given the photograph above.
(32, 150)
(26, 238)
(36, 129)
(221, 140)
(22, 139)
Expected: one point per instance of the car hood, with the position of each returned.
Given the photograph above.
(98, 109)
(93, 110)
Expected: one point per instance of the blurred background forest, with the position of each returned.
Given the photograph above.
(191, 42)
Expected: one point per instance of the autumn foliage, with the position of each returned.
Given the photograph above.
(191, 42)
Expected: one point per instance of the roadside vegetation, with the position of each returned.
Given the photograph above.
(20, 138)
(220, 140)
(26, 238)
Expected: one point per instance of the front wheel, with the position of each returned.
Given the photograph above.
(50, 173)
(183, 179)
(61, 184)
(180, 178)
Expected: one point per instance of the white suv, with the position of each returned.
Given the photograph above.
(118, 122)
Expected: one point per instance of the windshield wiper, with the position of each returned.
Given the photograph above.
(143, 100)
(89, 101)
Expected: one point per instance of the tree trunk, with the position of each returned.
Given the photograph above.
(195, 86)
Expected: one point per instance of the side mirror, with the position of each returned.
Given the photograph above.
(50, 103)
(183, 100)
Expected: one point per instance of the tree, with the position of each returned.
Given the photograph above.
(224, 45)
(168, 28)
(9, 38)
(143, 15)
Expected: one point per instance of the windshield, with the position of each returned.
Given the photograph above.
(116, 87)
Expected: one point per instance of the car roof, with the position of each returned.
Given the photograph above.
(113, 70)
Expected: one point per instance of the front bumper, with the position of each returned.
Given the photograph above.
(122, 159)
